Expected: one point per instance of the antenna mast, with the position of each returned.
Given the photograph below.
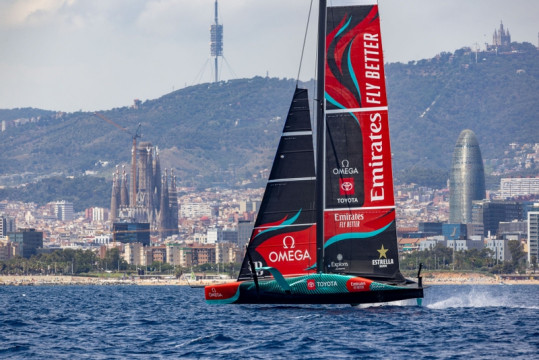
(216, 43)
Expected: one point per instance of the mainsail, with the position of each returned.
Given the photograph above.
(284, 233)
(359, 208)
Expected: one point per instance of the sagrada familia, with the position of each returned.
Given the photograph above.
(151, 198)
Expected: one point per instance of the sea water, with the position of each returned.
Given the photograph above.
(159, 322)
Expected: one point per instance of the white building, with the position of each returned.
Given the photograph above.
(500, 248)
(249, 205)
(132, 253)
(431, 242)
(199, 238)
(98, 215)
(63, 210)
(467, 244)
(179, 254)
(214, 235)
(103, 239)
(511, 187)
(195, 210)
(226, 253)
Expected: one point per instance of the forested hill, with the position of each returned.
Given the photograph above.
(432, 101)
(227, 132)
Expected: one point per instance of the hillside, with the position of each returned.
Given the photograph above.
(227, 132)
(432, 101)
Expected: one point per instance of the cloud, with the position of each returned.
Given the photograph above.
(30, 12)
(166, 17)
(94, 54)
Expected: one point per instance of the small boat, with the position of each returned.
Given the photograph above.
(326, 229)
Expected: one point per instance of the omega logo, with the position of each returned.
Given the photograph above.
(214, 293)
(345, 169)
(292, 242)
(287, 254)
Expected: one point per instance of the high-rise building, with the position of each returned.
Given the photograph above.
(131, 233)
(245, 228)
(7, 224)
(63, 210)
(491, 212)
(466, 179)
(29, 240)
(533, 236)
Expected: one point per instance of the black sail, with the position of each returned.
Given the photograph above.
(284, 233)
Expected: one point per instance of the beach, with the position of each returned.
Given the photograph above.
(30, 280)
(431, 278)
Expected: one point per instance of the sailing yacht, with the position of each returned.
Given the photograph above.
(326, 229)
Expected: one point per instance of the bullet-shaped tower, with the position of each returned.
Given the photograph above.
(467, 178)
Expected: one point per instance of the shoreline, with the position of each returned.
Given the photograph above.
(66, 280)
(430, 279)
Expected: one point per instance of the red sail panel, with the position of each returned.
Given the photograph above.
(292, 253)
(359, 216)
(354, 76)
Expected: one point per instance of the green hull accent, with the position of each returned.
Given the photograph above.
(325, 284)
(316, 288)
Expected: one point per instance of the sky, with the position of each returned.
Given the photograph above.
(91, 55)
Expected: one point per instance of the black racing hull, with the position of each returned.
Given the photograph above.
(381, 296)
(312, 289)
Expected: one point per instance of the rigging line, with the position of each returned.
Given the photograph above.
(304, 42)
(201, 72)
(229, 67)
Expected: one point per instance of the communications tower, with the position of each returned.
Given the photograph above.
(216, 42)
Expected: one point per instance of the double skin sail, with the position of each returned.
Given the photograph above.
(359, 208)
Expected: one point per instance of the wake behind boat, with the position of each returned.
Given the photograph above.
(326, 231)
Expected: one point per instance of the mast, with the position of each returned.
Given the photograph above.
(320, 121)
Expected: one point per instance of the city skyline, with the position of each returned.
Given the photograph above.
(71, 55)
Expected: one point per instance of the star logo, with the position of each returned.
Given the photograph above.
(382, 252)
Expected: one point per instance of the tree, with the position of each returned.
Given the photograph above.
(534, 262)
(518, 256)
(113, 260)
